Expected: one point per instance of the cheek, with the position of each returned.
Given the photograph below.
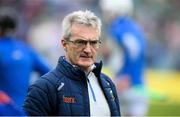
(95, 53)
(75, 53)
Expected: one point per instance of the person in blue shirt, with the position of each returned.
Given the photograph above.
(17, 61)
(130, 77)
(126, 33)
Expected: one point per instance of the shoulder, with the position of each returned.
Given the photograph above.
(48, 81)
(107, 79)
(23, 45)
(104, 76)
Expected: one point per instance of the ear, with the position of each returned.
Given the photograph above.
(64, 44)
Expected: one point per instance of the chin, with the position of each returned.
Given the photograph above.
(85, 64)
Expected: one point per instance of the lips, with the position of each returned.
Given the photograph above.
(84, 56)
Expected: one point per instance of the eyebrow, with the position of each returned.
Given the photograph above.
(83, 38)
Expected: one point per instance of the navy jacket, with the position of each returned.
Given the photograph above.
(64, 92)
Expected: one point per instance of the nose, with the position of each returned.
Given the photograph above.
(87, 48)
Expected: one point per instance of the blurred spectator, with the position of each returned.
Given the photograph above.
(46, 31)
(128, 35)
(7, 107)
(17, 60)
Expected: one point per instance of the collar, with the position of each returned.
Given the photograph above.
(92, 67)
(72, 70)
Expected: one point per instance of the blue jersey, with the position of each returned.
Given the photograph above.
(17, 61)
(129, 36)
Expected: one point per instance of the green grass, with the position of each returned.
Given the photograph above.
(164, 110)
(164, 87)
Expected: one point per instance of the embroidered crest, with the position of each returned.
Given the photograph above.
(69, 99)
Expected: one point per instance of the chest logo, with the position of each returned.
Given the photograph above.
(68, 99)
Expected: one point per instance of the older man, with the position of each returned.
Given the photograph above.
(76, 87)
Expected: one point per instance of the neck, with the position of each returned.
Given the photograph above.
(87, 70)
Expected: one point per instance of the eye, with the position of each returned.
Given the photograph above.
(81, 42)
(93, 42)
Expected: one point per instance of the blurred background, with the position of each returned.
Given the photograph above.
(40, 26)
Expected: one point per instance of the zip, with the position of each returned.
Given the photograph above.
(93, 94)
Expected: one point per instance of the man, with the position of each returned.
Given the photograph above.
(17, 61)
(76, 87)
(126, 33)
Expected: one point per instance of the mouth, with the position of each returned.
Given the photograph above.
(85, 56)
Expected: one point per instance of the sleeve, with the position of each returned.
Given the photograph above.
(115, 94)
(40, 65)
(132, 45)
(39, 100)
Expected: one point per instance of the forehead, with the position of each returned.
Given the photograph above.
(84, 31)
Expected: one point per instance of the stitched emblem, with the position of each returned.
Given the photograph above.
(68, 99)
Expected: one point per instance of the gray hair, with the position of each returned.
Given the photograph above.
(86, 18)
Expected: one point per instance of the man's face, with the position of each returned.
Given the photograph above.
(82, 47)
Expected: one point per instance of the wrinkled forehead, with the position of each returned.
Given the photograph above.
(86, 30)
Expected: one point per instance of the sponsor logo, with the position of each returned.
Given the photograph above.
(68, 99)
